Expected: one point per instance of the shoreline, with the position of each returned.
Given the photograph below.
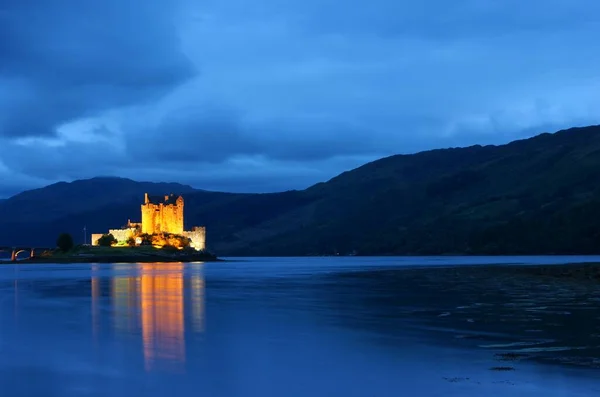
(570, 270)
(114, 259)
(576, 270)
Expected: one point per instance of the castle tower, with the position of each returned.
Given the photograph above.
(178, 221)
(147, 216)
(162, 215)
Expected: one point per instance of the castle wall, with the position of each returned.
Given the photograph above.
(160, 218)
(198, 237)
(172, 218)
(149, 217)
(95, 238)
(122, 234)
(178, 221)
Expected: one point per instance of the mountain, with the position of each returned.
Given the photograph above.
(64, 199)
(35, 216)
(534, 196)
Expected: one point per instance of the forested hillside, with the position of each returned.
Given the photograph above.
(535, 196)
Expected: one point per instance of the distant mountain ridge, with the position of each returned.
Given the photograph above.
(534, 196)
(67, 198)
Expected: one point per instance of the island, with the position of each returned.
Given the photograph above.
(159, 237)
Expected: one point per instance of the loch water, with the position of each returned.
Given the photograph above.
(332, 326)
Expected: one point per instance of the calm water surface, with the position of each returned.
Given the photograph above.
(296, 327)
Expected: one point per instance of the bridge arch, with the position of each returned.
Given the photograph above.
(17, 252)
(14, 252)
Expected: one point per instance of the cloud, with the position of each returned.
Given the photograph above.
(65, 60)
(214, 134)
(273, 95)
(448, 21)
(14, 182)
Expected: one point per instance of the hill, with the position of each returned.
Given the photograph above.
(36, 216)
(64, 199)
(539, 195)
(534, 196)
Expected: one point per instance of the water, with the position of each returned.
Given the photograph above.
(297, 327)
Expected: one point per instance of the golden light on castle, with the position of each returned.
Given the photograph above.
(162, 216)
(162, 225)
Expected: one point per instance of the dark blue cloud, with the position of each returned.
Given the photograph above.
(272, 95)
(67, 59)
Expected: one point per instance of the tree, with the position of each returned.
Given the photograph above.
(107, 240)
(146, 239)
(64, 242)
(131, 242)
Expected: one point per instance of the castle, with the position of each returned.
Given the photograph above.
(159, 215)
(162, 216)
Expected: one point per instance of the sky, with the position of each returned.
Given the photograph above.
(270, 95)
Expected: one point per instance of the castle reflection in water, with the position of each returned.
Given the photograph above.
(153, 300)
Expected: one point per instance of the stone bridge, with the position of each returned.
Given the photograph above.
(15, 251)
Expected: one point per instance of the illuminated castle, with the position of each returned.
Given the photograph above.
(160, 215)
